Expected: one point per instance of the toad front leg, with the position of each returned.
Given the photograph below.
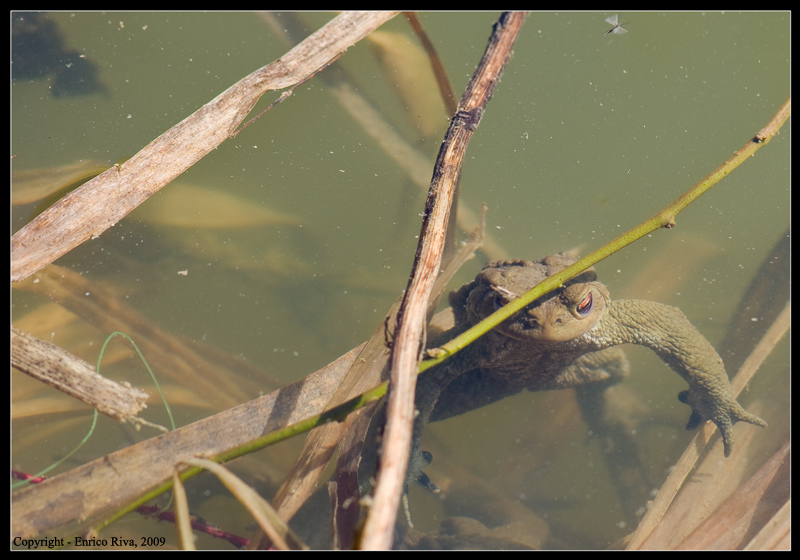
(668, 332)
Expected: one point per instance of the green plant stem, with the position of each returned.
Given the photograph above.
(665, 218)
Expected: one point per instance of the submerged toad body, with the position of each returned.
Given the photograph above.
(566, 338)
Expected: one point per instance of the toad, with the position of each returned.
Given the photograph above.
(565, 339)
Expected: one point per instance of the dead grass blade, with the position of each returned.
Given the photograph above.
(182, 516)
(268, 519)
(776, 534)
(736, 521)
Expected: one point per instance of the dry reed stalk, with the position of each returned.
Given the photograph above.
(411, 318)
(67, 373)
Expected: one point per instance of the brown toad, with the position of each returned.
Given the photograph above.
(566, 338)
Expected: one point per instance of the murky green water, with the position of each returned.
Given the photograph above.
(586, 136)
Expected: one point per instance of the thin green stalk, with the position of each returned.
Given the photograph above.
(665, 218)
(146, 365)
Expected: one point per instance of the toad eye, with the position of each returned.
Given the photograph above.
(584, 307)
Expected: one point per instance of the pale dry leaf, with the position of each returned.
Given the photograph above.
(197, 207)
